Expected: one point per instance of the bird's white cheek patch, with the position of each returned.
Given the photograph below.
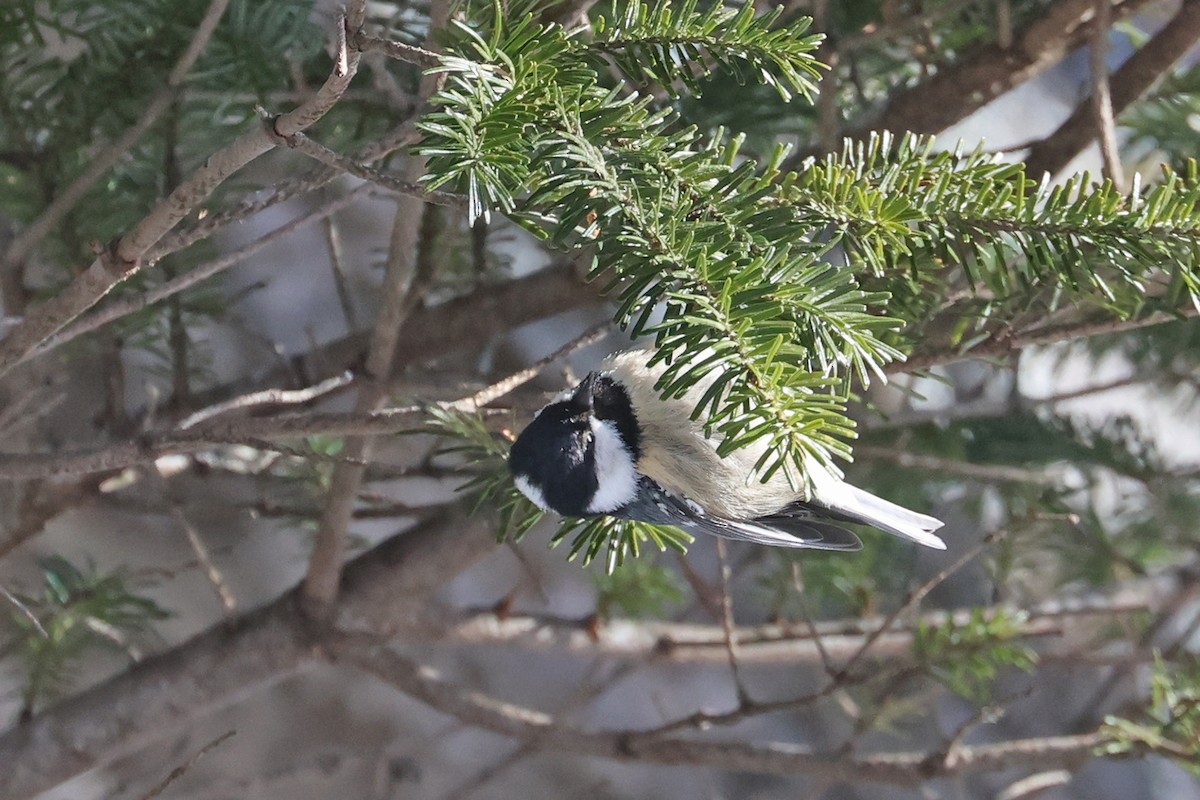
(615, 474)
(531, 491)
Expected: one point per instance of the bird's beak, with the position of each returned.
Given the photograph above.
(582, 399)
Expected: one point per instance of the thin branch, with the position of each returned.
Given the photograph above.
(728, 635)
(1002, 344)
(269, 397)
(913, 601)
(818, 641)
(125, 258)
(1102, 109)
(142, 300)
(991, 473)
(1035, 785)
(397, 50)
(25, 611)
(203, 434)
(229, 604)
(333, 240)
(464, 324)
(319, 152)
(898, 769)
(511, 383)
(403, 135)
(100, 162)
(689, 643)
(182, 769)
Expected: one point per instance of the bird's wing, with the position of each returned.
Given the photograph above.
(655, 505)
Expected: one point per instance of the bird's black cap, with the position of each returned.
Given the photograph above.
(555, 453)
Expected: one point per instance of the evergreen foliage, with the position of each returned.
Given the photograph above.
(783, 288)
(78, 609)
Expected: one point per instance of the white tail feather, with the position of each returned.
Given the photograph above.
(864, 507)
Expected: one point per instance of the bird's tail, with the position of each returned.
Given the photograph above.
(856, 505)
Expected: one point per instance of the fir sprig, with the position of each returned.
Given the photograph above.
(667, 42)
(898, 203)
(77, 609)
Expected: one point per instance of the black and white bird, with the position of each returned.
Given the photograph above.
(612, 446)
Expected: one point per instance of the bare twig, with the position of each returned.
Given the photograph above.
(993, 473)
(900, 769)
(727, 627)
(1035, 785)
(135, 303)
(319, 152)
(509, 384)
(229, 604)
(913, 601)
(397, 50)
(401, 136)
(269, 397)
(818, 642)
(333, 240)
(686, 643)
(1102, 108)
(254, 431)
(182, 769)
(25, 611)
(1003, 344)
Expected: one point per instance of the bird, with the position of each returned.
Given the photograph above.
(613, 446)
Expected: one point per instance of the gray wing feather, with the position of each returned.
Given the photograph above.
(655, 505)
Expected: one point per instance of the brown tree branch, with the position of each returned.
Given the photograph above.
(398, 50)
(182, 769)
(1102, 110)
(319, 152)
(961, 88)
(1003, 343)
(521, 722)
(403, 135)
(467, 322)
(1129, 83)
(124, 259)
(131, 305)
(792, 643)
(409, 270)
